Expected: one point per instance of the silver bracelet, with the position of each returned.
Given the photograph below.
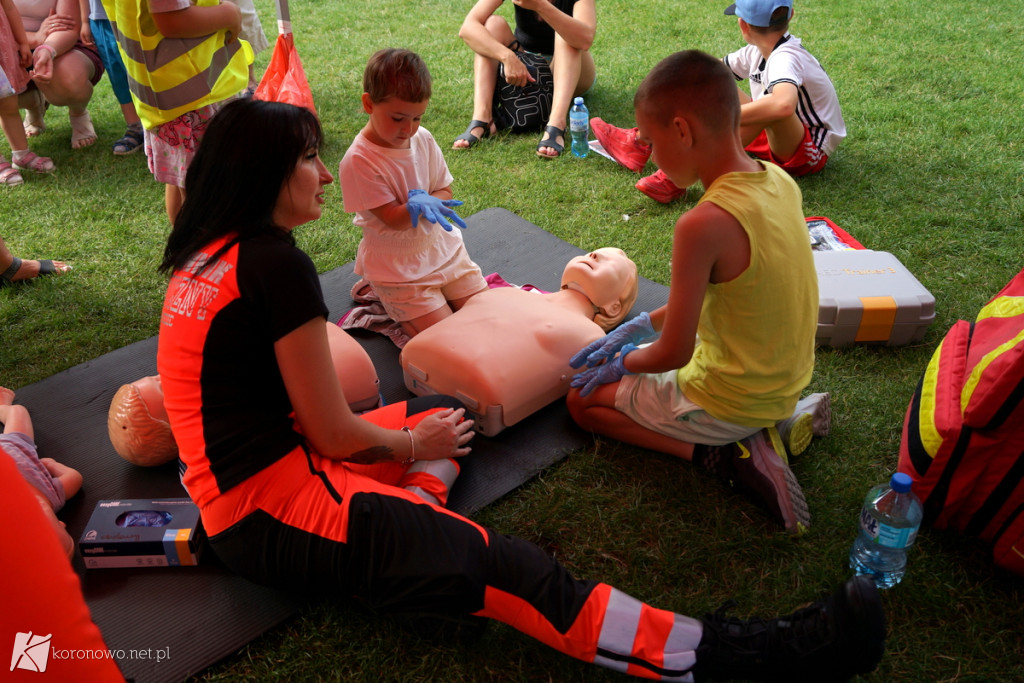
(412, 447)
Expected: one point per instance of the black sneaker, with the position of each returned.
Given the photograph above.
(831, 640)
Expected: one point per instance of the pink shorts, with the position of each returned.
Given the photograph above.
(457, 279)
(171, 146)
(808, 158)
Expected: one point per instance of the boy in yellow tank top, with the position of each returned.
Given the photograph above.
(736, 344)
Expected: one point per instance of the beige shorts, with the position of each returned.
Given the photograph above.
(458, 278)
(654, 401)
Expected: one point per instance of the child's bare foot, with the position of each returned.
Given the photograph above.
(6, 397)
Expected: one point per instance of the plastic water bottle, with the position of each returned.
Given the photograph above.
(888, 526)
(579, 127)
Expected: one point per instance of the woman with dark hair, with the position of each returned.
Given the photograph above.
(298, 492)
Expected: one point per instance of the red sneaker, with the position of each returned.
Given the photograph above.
(621, 144)
(658, 187)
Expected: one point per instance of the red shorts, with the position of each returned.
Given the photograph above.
(808, 158)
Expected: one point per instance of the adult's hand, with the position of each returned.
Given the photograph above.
(55, 23)
(514, 71)
(444, 434)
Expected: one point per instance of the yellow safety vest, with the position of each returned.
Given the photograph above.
(171, 76)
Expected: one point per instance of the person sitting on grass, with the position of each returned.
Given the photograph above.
(318, 511)
(52, 483)
(791, 116)
(736, 344)
(64, 70)
(14, 269)
(561, 31)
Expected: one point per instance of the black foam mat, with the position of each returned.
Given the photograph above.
(201, 614)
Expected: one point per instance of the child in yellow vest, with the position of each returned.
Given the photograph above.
(195, 44)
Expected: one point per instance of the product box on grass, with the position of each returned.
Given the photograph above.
(869, 297)
(142, 532)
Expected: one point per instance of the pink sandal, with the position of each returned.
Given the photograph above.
(8, 174)
(34, 162)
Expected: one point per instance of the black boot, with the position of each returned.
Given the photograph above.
(831, 640)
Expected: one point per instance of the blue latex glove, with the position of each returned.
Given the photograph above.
(606, 373)
(423, 204)
(632, 331)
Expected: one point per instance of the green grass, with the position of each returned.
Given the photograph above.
(932, 171)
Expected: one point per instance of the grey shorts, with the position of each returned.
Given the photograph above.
(654, 401)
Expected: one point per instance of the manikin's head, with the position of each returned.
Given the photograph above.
(137, 424)
(608, 278)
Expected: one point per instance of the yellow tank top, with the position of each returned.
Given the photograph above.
(756, 350)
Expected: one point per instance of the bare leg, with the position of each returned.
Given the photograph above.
(15, 418)
(69, 477)
(597, 413)
(174, 197)
(417, 325)
(70, 87)
(485, 77)
(573, 73)
(784, 137)
(10, 121)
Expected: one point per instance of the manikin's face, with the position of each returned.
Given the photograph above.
(603, 275)
(393, 122)
(302, 196)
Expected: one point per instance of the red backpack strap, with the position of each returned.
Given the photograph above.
(994, 385)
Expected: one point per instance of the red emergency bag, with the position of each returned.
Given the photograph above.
(963, 436)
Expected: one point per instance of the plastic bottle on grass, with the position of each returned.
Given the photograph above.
(579, 127)
(888, 526)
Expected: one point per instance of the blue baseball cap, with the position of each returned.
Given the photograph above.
(759, 12)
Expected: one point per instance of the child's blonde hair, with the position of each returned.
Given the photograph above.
(397, 73)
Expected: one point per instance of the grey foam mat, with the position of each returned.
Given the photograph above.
(204, 613)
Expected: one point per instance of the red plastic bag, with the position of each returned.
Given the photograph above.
(285, 80)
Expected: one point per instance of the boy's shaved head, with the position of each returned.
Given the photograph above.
(691, 83)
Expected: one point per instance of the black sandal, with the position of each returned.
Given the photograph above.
(552, 133)
(473, 139)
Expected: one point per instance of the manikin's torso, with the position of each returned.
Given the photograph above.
(505, 353)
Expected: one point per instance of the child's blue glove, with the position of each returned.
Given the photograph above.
(632, 331)
(422, 203)
(612, 371)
